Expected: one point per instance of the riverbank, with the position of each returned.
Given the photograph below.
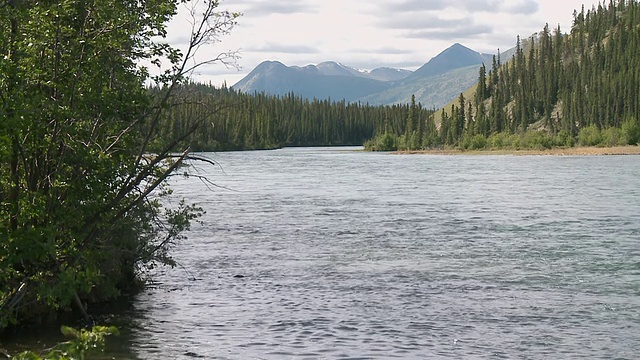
(573, 151)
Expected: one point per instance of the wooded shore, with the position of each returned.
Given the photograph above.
(572, 151)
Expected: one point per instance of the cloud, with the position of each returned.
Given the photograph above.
(416, 5)
(263, 8)
(420, 21)
(465, 6)
(370, 65)
(524, 7)
(451, 20)
(467, 32)
(432, 27)
(413, 6)
(387, 50)
(480, 5)
(216, 70)
(284, 49)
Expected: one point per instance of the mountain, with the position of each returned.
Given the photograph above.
(332, 68)
(432, 91)
(438, 81)
(455, 57)
(326, 80)
(433, 84)
(389, 74)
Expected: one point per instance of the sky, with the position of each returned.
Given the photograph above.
(366, 34)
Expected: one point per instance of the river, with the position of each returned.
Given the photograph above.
(340, 254)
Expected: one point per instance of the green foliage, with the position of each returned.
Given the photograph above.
(475, 142)
(81, 199)
(384, 142)
(563, 139)
(589, 136)
(536, 140)
(402, 143)
(612, 137)
(631, 131)
(564, 85)
(415, 141)
(83, 344)
(261, 121)
(501, 140)
(410, 128)
(529, 140)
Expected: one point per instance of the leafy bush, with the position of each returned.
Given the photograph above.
(499, 140)
(401, 142)
(589, 136)
(431, 141)
(83, 343)
(475, 142)
(80, 192)
(631, 131)
(613, 137)
(383, 142)
(564, 139)
(536, 140)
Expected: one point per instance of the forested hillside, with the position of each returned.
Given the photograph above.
(258, 121)
(557, 90)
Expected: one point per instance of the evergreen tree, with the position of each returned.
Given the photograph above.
(564, 83)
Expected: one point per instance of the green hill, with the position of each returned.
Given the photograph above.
(557, 89)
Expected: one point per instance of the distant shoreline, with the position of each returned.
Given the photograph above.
(573, 151)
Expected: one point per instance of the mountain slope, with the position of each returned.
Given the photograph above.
(389, 74)
(328, 80)
(434, 84)
(438, 81)
(432, 92)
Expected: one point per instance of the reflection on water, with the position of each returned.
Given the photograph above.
(320, 253)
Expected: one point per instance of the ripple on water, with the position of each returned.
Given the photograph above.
(348, 255)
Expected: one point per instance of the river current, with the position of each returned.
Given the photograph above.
(339, 254)
(342, 254)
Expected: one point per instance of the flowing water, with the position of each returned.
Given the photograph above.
(338, 254)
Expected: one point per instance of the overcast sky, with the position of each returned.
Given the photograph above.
(366, 34)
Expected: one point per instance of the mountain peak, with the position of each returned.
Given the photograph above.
(268, 64)
(453, 57)
(457, 49)
(335, 68)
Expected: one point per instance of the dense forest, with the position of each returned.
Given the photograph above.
(557, 90)
(238, 121)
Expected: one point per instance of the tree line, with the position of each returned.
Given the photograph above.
(262, 121)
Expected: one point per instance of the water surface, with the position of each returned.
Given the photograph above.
(333, 254)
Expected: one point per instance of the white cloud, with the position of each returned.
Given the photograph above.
(372, 33)
(261, 8)
(283, 49)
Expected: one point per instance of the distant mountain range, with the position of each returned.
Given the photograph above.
(434, 84)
